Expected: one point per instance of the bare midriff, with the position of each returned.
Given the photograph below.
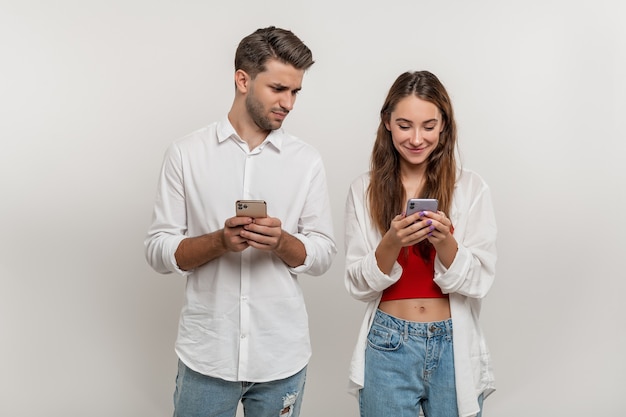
(421, 310)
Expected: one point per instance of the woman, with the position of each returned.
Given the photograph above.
(423, 275)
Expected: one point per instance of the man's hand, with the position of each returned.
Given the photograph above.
(262, 233)
(196, 251)
(232, 239)
(267, 234)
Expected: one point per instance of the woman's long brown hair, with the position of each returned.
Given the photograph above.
(386, 192)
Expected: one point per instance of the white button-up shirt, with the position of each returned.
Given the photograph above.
(244, 317)
(467, 281)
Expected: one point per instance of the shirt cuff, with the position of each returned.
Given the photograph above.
(170, 260)
(308, 260)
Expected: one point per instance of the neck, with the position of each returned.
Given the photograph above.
(247, 130)
(413, 179)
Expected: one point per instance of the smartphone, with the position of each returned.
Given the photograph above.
(421, 204)
(251, 208)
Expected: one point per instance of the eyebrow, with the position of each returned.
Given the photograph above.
(279, 86)
(401, 119)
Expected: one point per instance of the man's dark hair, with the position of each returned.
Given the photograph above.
(255, 49)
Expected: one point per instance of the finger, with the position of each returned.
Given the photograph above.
(399, 221)
(237, 221)
(263, 242)
(438, 231)
(267, 221)
(271, 232)
(410, 219)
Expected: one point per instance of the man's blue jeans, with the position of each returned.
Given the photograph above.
(408, 365)
(199, 395)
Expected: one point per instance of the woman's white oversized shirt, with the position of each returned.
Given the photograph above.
(467, 281)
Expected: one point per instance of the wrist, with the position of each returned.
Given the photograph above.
(280, 242)
(446, 250)
(219, 242)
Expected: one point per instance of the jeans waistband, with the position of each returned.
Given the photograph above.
(428, 329)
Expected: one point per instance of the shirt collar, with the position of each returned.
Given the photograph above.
(225, 130)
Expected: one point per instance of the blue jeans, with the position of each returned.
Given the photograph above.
(408, 365)
(199, 395)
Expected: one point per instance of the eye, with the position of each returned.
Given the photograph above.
(404, 127)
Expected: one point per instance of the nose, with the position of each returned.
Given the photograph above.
(416, 138)
(287, 100)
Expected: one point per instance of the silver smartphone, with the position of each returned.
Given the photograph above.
(421, 204)
(251, 208)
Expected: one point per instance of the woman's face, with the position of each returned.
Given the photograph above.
(415, 126)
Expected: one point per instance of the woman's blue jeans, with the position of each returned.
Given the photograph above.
(408, 365)
(199, 395)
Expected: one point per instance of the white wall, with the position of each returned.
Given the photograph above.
(92, 92)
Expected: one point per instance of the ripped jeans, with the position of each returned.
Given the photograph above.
(199, 395)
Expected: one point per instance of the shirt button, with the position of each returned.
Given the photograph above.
(243, 336)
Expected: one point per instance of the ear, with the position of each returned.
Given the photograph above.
(242, 81)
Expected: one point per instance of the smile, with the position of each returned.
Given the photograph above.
(416, 150)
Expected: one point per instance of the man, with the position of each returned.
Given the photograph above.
(243, 332)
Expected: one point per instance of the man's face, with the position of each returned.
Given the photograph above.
(272, 94)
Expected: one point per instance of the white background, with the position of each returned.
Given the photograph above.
(92, 92)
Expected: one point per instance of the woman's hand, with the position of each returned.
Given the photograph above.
(408, 230)
(440, 227)
(404, 231)
(440, 235)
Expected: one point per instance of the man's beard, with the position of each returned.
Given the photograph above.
(255, 110)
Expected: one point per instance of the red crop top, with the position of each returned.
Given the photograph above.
(417, 276)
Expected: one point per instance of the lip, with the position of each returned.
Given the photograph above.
(280, 115)
(416, 150)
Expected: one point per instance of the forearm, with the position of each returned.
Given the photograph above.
(446, 250)
(386, 256)
(196, 251)
(290, 250)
